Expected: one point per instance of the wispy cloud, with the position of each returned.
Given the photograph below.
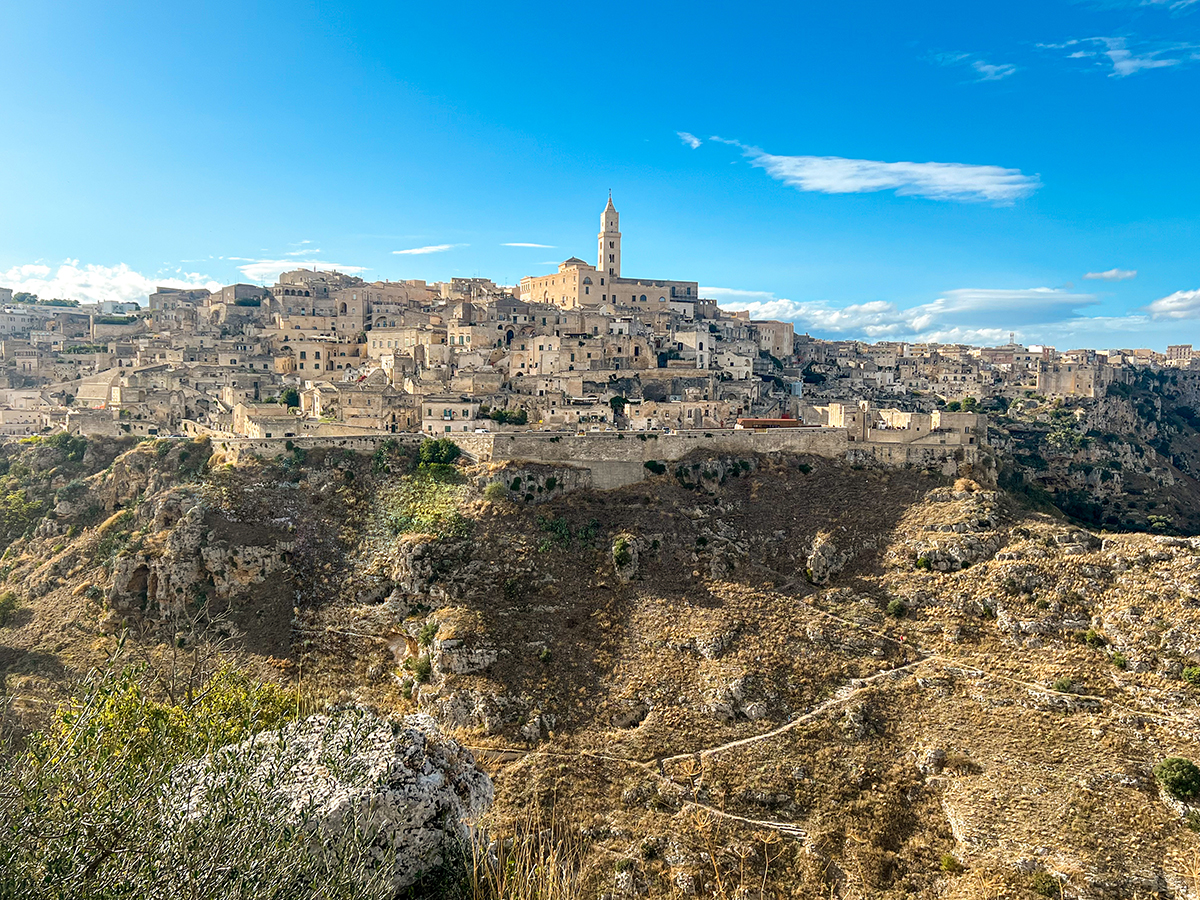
(689, 139)
(432, 248)
(1112, 275)
(933, 180)
(984, 70)
(1179, 305)
(520, 244)
(1175, 6)
(263, 270)
(1116, 54)
(300, 252)
(968, 315)
(92, 283)
(989, 72)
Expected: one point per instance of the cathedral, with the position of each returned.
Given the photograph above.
(579, 285)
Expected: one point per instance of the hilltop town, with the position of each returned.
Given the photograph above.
(587, 348)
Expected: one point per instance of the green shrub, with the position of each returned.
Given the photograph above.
(428, 632)
(425, 504)
(8, 605)
(495, 492)
(1045, 884)
(622, 552)
(1094, 639)
(559, 531)
(924, 563)
(1119, 660)
(950, 864)
(654, 467)
(422, 668)
(1064, 685)
(1179, 777)
(1191, 674)
(545, 656)
(109, 757)
(446, 473)
(897, 609)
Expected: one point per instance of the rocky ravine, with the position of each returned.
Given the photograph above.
(819, 679)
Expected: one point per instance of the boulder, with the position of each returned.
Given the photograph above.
(407, 794)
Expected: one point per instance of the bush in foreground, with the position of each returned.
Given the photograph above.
(82, 804)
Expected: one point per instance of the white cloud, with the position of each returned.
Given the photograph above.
(520, 244)
(1179, 305)
(936, 181)
(690, 139)
(432, 248)
(1115, 52)
(92, 283)
(1024, 306)
(263, 270)
(967, 315)
(989, 72)
(1172, 5)
(985, 70)
(301, 252)
(1112, 275)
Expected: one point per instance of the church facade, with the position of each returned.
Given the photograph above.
(577, 284)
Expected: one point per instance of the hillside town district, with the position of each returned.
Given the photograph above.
(586, 350)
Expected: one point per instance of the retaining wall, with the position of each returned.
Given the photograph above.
(616, 459)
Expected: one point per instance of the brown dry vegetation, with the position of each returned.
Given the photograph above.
(729, 717)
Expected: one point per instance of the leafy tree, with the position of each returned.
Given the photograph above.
(509, 417)
(290, 397)
(810, 375)
(441, 451)
(24, 297)
(618, 405)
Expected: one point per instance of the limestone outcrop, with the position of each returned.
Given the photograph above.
(414, 793)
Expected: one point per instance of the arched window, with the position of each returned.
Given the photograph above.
(643, 298)
(587, 280)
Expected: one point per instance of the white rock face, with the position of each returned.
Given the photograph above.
(414, 792)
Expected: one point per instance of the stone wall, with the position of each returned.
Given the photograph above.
(618, 458)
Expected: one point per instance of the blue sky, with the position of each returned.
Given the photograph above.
(872, 169)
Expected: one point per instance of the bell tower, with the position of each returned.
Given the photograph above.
(609, 261)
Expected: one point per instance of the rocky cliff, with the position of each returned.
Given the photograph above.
(769, 675)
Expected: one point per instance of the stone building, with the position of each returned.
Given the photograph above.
(577, 284)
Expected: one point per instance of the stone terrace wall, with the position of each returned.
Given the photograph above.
(616, 458)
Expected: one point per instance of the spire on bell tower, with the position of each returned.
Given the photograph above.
(609, 259)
